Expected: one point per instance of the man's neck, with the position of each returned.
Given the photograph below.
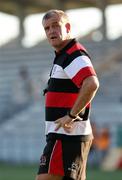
(63, 46)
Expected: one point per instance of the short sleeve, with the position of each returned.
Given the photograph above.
(79, 69)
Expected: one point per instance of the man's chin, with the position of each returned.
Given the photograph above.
(55, 44)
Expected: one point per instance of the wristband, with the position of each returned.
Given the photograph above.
(71, 116)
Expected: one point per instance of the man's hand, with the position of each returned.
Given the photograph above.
(65, 122)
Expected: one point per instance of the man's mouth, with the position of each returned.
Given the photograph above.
(53, 37)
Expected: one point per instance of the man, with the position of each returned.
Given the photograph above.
(71, 88)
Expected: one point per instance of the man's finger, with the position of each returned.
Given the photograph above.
(57, 121)
(57, 127)
(67, 126)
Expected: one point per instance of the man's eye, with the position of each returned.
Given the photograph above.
(47, 28)
(55, 25)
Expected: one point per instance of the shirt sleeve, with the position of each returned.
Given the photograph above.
(79, 69)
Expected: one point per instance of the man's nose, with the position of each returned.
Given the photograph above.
(51, 30)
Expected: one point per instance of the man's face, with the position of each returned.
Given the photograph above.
(56, 31)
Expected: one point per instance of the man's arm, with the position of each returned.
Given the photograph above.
(86, 94)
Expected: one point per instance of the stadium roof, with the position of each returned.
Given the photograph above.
(22, 8)
(36, 6)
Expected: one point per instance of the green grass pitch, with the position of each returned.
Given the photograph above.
(28, 172)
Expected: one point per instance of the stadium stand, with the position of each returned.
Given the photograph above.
(22, 136)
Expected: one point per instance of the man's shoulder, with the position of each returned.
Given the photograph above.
(75, 46)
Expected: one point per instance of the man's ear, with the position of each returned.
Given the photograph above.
(68, 27)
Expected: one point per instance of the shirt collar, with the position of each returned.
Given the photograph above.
(69, 45)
